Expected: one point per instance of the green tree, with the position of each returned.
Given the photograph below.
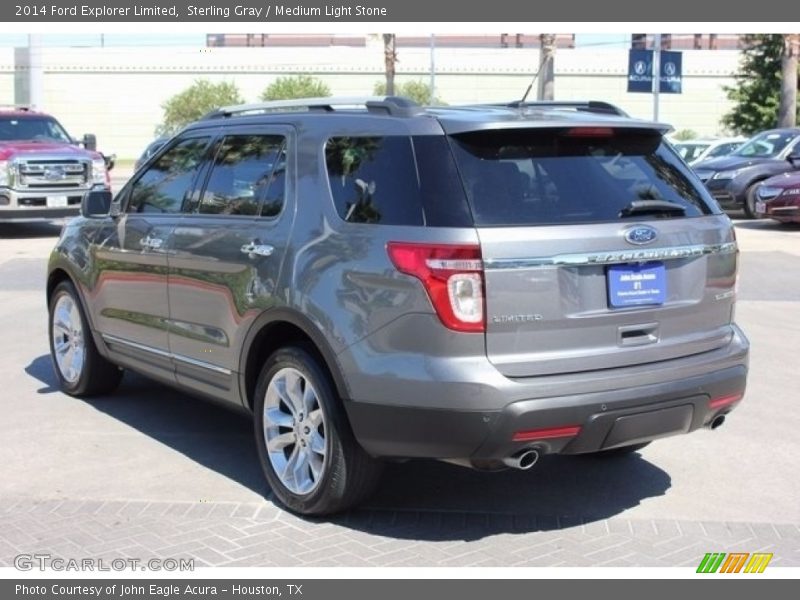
(194, 102)
(684, 135)
(418, 91)
(758, 85)
(298, 86)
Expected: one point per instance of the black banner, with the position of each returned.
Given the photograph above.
(266, 11)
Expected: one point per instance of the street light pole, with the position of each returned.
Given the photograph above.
(656, 73)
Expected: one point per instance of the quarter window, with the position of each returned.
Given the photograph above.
(164, 185)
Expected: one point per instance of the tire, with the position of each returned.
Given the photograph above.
(296, 407)
(618, 452)
(750, 202)
(79, 367)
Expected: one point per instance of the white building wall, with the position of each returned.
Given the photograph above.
(117, 93)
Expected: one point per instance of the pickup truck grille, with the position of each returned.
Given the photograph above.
(52, 174)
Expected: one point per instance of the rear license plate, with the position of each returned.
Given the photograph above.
(761, 207)
(56, 202)
(637, 285)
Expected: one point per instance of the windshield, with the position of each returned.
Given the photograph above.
(766, 145)
(690, 152)
(32, 128)
(546, 176)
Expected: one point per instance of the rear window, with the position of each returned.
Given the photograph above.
(533, 177)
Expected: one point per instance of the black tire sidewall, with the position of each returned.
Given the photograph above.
(65, 288)
(750, 202)
(331, 489)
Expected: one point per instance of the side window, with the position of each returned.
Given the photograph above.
(246, 169)
(164, 185)
(374, 180)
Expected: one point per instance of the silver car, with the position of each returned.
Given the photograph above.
(371, 280)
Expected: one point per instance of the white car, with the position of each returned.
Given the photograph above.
(693, 151)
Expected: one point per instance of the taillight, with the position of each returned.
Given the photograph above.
(453, 277)
(590, 132)
(722, 401)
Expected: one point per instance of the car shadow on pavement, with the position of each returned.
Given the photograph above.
(418, 499)
(39, 229)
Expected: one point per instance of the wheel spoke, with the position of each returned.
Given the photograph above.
(315, 418)
(279, 442)
(291, 465)
(278, 418)
(302, 476)
(316, 463)
(294, 384)
(317, 443)
(309, 399)
(279, 385)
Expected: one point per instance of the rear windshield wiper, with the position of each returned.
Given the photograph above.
(653, 207)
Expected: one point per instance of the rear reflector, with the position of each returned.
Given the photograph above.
(546, 434)
(716, 403)
(453, 277)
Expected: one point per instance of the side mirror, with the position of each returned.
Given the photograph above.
(96, 204)
(90, 141)
(110, 160)
(794, 159)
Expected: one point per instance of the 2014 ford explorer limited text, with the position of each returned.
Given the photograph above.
(373, 280)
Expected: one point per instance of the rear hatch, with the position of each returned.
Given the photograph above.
(600, 249)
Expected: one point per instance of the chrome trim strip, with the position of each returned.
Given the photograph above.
(612, 257)
(184, 359)
(201, 364)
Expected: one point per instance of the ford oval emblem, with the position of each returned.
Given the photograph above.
(641, 234)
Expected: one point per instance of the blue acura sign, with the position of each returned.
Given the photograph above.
(640, 72)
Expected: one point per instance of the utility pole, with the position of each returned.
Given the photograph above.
(433, 67)
(545, 89)
(787, 109)
(389, 60)
(656, 73)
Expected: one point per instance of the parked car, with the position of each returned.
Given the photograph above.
(697, 150)
(150, 150)
(373, 280)
(779, 198)
(732, 179)
(44, 172)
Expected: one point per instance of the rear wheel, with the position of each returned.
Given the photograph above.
(80, 368)
(307, 451)
(750, 202)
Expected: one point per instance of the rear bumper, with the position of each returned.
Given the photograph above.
(600, 420)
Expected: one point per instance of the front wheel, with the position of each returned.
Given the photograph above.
(307, 451)
(750, 200)
(79, 367)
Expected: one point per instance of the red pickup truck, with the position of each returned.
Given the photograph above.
(44, 172)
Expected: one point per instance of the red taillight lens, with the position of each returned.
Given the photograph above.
(453, 277)
(716, 403)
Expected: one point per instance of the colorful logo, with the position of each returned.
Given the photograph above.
(735, 562)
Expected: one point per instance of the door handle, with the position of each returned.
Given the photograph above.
(254, 249)
(148, 243)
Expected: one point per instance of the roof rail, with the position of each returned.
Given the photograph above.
(593, 106)
(396, 106)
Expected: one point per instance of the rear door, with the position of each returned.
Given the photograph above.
(600, 249)
(227, 252)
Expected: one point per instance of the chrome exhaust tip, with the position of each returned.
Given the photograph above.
(522, 460)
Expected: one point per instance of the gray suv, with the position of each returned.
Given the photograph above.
(374, 280)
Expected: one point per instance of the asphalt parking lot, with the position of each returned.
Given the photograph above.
(151, 472)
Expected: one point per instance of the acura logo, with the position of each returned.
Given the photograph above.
(641, 234)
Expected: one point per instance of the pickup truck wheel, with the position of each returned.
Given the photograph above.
(79, 367)
(750, 202)
(307, 451)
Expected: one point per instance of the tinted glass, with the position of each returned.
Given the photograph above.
(690, 152)
(374, 180)
(164, 185)
(527, 177)
(722, 150)
(240, 175)
(766, 145)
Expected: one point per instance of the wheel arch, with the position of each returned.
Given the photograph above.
(278, 328)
